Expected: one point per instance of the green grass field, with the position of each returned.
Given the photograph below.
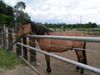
(8, 60)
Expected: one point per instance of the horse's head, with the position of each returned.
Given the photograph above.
(25, 29)
(33, 28)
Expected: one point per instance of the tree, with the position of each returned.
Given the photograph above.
(6, 13)
(88, 25)
(20, 15)
(20, 6)
(94, 25)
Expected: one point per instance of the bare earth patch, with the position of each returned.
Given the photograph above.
(19, 70)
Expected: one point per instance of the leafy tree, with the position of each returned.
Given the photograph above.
(20, 15)
(20, 6)
(94, 25)
(3, 19)
(6, 13)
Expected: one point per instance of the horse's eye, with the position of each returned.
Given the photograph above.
(22, 27)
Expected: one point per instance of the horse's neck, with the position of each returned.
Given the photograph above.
(38, 40)
(41, 40)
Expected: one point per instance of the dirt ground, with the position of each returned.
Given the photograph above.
(61, 68)
(19, 70)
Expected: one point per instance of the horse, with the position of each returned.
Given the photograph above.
(48, 45)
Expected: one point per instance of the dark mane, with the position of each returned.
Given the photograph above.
(39, 29)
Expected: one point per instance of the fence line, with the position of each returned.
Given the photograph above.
(8, 37)
(93, 69)
(9, 28)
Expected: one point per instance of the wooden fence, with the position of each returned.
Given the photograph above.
(8, 36)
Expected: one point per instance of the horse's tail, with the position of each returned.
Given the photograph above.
(84, 53)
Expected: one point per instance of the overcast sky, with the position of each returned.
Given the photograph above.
(61, 11)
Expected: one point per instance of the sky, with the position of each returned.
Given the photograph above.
(61, 11)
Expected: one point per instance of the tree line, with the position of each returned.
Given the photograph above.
(65, 26)
(10, 15)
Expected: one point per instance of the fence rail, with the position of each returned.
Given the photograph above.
(74, 38)
(93, 69)
(87, 39)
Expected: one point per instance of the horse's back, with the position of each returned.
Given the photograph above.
(62, 45)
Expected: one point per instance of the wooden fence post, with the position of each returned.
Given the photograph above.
(28, 50)
(10, 38)
(2, 38)
(24, 48)
(14, 39)
(18, 50)
(32, 53)
(22, 54)
(6, 39)
(17, 27)
(29, 54)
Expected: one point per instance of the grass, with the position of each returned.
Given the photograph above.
(8, 60)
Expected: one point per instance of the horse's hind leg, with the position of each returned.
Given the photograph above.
(81, 59)
(77, 68)
(48, 63)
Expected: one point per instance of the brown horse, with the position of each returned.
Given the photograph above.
(49, 45)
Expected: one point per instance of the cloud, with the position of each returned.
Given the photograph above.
(67, 11)
(11, 2)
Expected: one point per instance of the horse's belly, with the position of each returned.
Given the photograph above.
(59, 49)
(54, 48)
(60, 45)
(52, 45)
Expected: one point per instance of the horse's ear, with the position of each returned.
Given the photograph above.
(26, 23)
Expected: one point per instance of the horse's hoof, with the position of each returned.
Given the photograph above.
(81, 71)
(77, 68)
(48, 73)
(48, 70)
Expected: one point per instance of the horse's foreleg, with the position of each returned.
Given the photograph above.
(81, 59)
(77, 68)
(48, 63)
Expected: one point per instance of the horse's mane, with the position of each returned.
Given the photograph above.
(39, 29)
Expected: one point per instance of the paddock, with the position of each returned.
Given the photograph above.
(59, 67)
